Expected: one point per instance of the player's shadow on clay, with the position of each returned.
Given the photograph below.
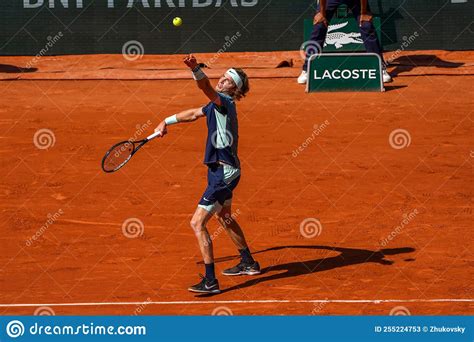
(408, 63)
(347, 257)
(7, 68)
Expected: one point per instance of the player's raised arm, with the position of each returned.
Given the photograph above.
(189, 115)
(202, 80)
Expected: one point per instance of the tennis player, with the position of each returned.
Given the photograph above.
(223, 173)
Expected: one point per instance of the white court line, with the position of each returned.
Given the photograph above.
(375, 301)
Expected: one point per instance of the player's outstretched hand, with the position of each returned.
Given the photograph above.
(161, 128)
(190, 61)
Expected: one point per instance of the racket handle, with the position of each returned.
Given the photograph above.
(153, 136)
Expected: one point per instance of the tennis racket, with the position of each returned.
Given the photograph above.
(120, 154)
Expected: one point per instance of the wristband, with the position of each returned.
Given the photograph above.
(198, 74)
(171, 120)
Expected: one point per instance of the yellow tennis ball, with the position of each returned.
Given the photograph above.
(177, 21)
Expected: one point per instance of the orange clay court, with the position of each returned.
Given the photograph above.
(392, 224)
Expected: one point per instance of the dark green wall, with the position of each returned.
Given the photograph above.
(440, 24)
(263, 25)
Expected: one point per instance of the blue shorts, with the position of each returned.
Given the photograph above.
(221, 182)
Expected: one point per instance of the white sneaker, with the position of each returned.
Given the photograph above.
(303, 78)
(386, 76)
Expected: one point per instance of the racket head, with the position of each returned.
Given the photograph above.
(117, 156)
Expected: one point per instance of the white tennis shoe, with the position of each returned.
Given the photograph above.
(303, 78)
(386, 76)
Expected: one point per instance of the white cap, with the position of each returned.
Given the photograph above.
(236, 77)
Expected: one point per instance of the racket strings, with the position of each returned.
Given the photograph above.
(118, 156)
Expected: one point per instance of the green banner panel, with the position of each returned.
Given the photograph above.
(343, 34)
(330, 72)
